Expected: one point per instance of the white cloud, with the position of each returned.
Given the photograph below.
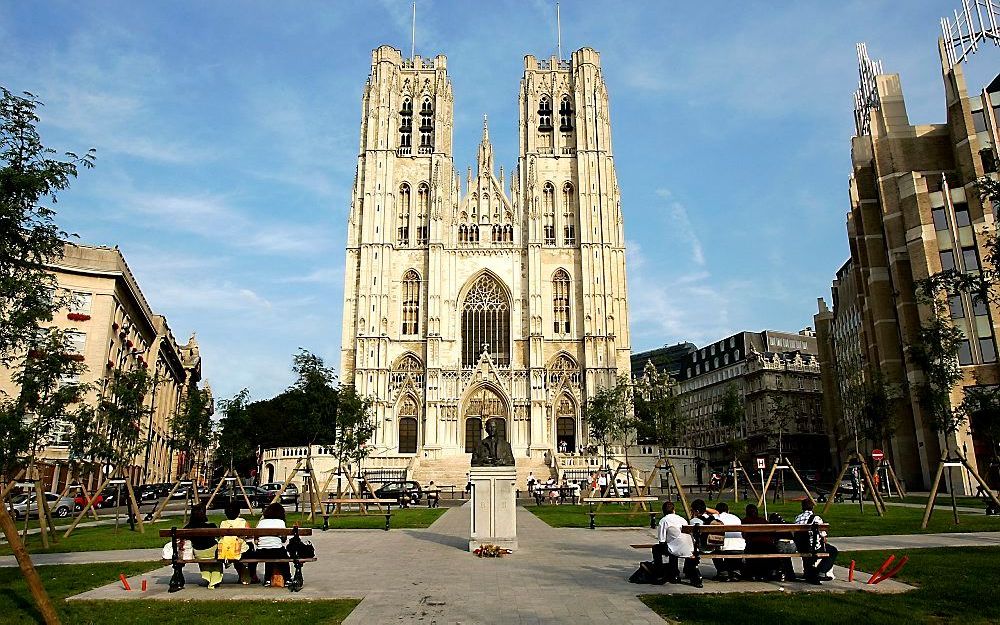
(682, 225)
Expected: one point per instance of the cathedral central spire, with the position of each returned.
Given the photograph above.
(485, 161)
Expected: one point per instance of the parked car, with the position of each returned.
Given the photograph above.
(258, 496)
(398, 490)
(80, 500)
(291, 494)
(26, 504)
(147, 492)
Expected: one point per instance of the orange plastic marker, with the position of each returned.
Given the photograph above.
(121, 576)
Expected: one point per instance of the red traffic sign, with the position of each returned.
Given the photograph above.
(877, 455)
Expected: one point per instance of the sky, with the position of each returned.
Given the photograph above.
(227, 137)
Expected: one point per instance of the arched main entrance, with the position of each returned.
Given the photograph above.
(484, 406)
(566, 425)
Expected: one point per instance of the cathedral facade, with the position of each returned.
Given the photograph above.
(502, 299)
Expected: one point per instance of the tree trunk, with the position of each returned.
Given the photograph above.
(28, 569)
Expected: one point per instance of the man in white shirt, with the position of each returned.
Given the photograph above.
(816, 569)
(729, 568)
(673, 542)
(602, 483)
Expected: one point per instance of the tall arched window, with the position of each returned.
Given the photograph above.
(403, 219)
(569, 221)
(423, 208)
(426, 127)
(548, 214)
(560, 302)
(545, 114)
(408, 426)
(565, 114)
(411, 303)
(486, 322)
(406, 127)
(566, 425)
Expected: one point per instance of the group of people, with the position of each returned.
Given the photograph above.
(208, 548)
(552, 490)
(673, 543)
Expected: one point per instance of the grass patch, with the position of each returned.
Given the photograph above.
(571, 515)
(17, 605)
(845, 518)
(406, 518)
(106, 538)
(947, 581)
(943, 499)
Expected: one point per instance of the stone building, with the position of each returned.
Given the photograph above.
(113, 327)
(503, 299)
(915, 210)
(838, 334)
(766, 368)
(666, 359)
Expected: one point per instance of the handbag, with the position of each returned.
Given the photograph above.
(184, 550)
(299, 549)
(277, 580)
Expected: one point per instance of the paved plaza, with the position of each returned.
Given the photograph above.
(428, 576)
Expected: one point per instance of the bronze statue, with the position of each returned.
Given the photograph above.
(494, 450)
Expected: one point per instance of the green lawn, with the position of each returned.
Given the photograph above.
(17, 605)
(948, 582)
(943, 499)
(845, 518)
(105, 537)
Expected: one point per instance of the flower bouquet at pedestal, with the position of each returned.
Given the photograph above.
(491, 551)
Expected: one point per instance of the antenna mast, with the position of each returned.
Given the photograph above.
(558, 32)
(413, 32)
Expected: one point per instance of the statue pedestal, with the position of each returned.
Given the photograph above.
(494, 504)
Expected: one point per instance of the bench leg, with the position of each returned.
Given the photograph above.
(387, 516)
(652, 520)
(177, 579)
(593, 521)
(296, 583)
(326, 522)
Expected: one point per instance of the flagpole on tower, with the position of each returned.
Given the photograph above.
(558, 32)
(413, 32)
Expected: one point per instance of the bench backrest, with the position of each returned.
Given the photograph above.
(246, 532)
(769, 528)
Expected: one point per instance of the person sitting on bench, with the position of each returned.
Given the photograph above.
(730, 569)
(816, 569)
(675, 544)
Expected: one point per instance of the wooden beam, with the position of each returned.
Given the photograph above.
(31, 576)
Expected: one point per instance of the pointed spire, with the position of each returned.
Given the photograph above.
(485, 162)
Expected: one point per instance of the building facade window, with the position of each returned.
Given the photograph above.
(423, 209)
(403, 218)
(486, 322)
(569, 222)
(426, 127)
(560, 302)
(545, 114)
(565, 114)
(549, 214)
(411, 303)
(406, 127)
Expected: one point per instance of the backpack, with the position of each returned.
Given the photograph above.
(647, 574)
(712, 542)
(231, 547)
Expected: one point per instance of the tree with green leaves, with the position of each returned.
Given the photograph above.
(611, 417)
(935, 352)
(48, 388)
(314, 399)
(119, 416)
(782, 411)
(31, 177)
(235, 442)
(657, 413)
(730, 417)
(355, 427)
(191, 423)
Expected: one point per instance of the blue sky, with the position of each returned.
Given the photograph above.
(227, 135)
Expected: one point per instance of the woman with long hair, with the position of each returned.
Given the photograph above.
(272, 546)
(205, 546)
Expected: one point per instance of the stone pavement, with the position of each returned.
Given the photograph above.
(88, 557)
(403, 576)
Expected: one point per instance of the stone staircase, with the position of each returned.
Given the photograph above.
(454, 470)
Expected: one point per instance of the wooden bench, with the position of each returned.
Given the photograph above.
(696, 531)
(599, 500)
(362, 505)
(174, 533)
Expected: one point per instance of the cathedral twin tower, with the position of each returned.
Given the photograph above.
(505, 300)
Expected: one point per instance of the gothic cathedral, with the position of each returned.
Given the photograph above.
(501, 300)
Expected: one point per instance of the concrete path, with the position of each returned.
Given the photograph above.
(404, 576)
